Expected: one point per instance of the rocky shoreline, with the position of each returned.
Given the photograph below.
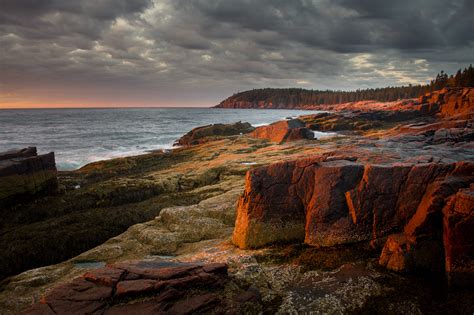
(376, 219)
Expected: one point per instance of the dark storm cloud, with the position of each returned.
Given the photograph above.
(346, 25)
(156, 49)
(99, 9)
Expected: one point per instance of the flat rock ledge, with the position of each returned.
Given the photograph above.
(147, 287)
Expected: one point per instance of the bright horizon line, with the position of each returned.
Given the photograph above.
(100, 107)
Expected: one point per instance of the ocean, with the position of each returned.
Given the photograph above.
(81, 136)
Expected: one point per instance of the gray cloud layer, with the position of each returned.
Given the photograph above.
(148, 52)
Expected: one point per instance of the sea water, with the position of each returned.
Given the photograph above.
(81, 136)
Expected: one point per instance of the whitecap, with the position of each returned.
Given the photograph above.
(323, 135)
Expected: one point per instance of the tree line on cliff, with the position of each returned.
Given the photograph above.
(464, 78)
(299, 97)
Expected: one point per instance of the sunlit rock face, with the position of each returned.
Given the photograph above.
(24, 174)
(283, 131)
(450, 101)
(330, 202)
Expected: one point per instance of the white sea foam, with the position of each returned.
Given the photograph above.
(324, 135)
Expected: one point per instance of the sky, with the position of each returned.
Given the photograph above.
(101, 53)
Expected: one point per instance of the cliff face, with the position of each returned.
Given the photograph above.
(25, 174)
(329, 202)
(450, 102)
(298, 98)
(325, 203)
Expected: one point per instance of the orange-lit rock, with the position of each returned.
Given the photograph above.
(282, 131)
(420, 246)
(336, 202)
(450, 101)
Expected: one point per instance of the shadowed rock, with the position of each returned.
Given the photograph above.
(206, 133)
(459, 238)
(24, 175)
(144, 287)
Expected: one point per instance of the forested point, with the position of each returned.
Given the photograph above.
(297, 96)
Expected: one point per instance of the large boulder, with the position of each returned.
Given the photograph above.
(24, 175)
(206, 133)
(282, 131)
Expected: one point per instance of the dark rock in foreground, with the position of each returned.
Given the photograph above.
(148, 287)
(24, 174)
(205, 133)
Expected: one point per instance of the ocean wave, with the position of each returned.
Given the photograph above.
(71, 163)
(323, 135)
(82, 136)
